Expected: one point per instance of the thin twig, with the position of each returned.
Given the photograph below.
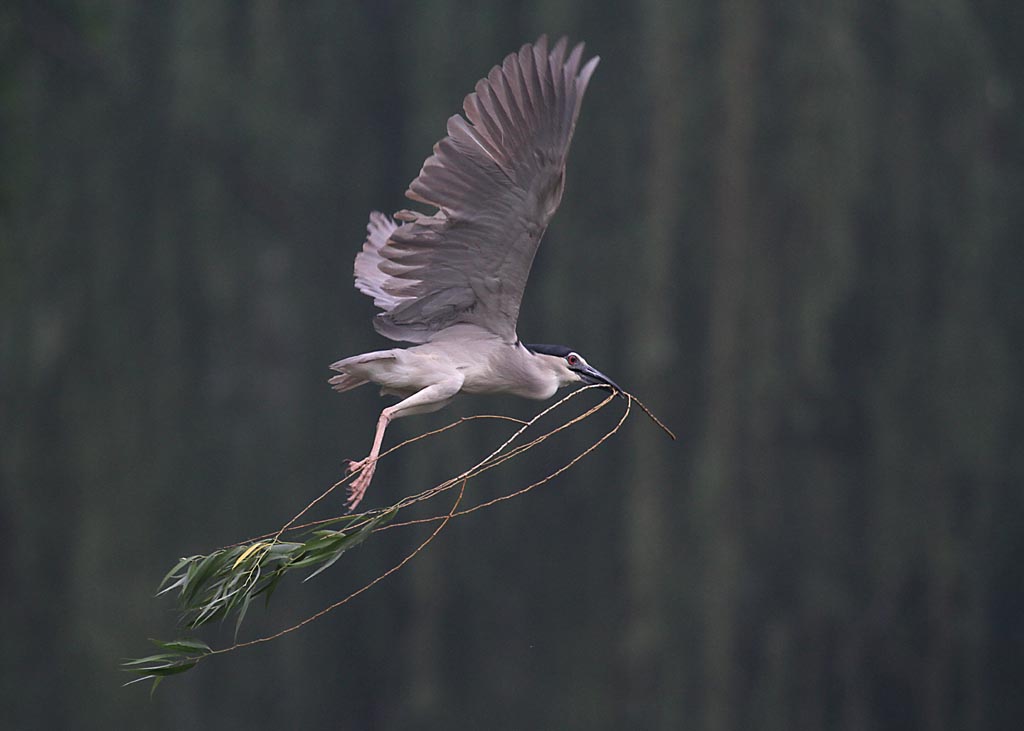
(291, 524)
(536, 484)
(650, 413)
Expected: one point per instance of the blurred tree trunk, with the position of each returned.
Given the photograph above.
(799, 473)
(720, 469)
(44, 313)
(646, 645)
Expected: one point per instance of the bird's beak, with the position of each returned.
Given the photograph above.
(592, 376)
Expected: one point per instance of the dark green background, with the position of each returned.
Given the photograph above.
(793, 228)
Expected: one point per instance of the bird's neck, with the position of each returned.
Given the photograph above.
(549, 373)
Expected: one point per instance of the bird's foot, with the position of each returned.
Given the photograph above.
(357, 488)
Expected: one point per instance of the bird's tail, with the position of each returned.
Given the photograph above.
(345, 382)
(357, 370)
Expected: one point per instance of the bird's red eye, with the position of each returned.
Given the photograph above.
(572, 360)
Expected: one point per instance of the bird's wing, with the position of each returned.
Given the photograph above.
(496, 179)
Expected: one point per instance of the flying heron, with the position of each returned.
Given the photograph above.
(451, 282)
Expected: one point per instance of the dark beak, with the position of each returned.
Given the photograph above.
(592, 376)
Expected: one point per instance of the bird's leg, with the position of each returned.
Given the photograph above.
(423, 401)
(357, 488)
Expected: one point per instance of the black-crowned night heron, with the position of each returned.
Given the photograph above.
(451, 282)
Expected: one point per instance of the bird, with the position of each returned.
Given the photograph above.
(450, 282)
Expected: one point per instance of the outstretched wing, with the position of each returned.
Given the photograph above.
(495, 180)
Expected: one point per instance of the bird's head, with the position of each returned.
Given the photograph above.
(571, 367)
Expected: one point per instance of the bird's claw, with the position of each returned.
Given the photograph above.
(357, 488)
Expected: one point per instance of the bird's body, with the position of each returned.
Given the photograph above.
(451, 282)
(479, 360)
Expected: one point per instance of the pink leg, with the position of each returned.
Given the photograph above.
(424, 401)
(357, 488)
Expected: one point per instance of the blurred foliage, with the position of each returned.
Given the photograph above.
(792, 228)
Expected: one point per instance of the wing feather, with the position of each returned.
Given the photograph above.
(370, 279)
(495, 180)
